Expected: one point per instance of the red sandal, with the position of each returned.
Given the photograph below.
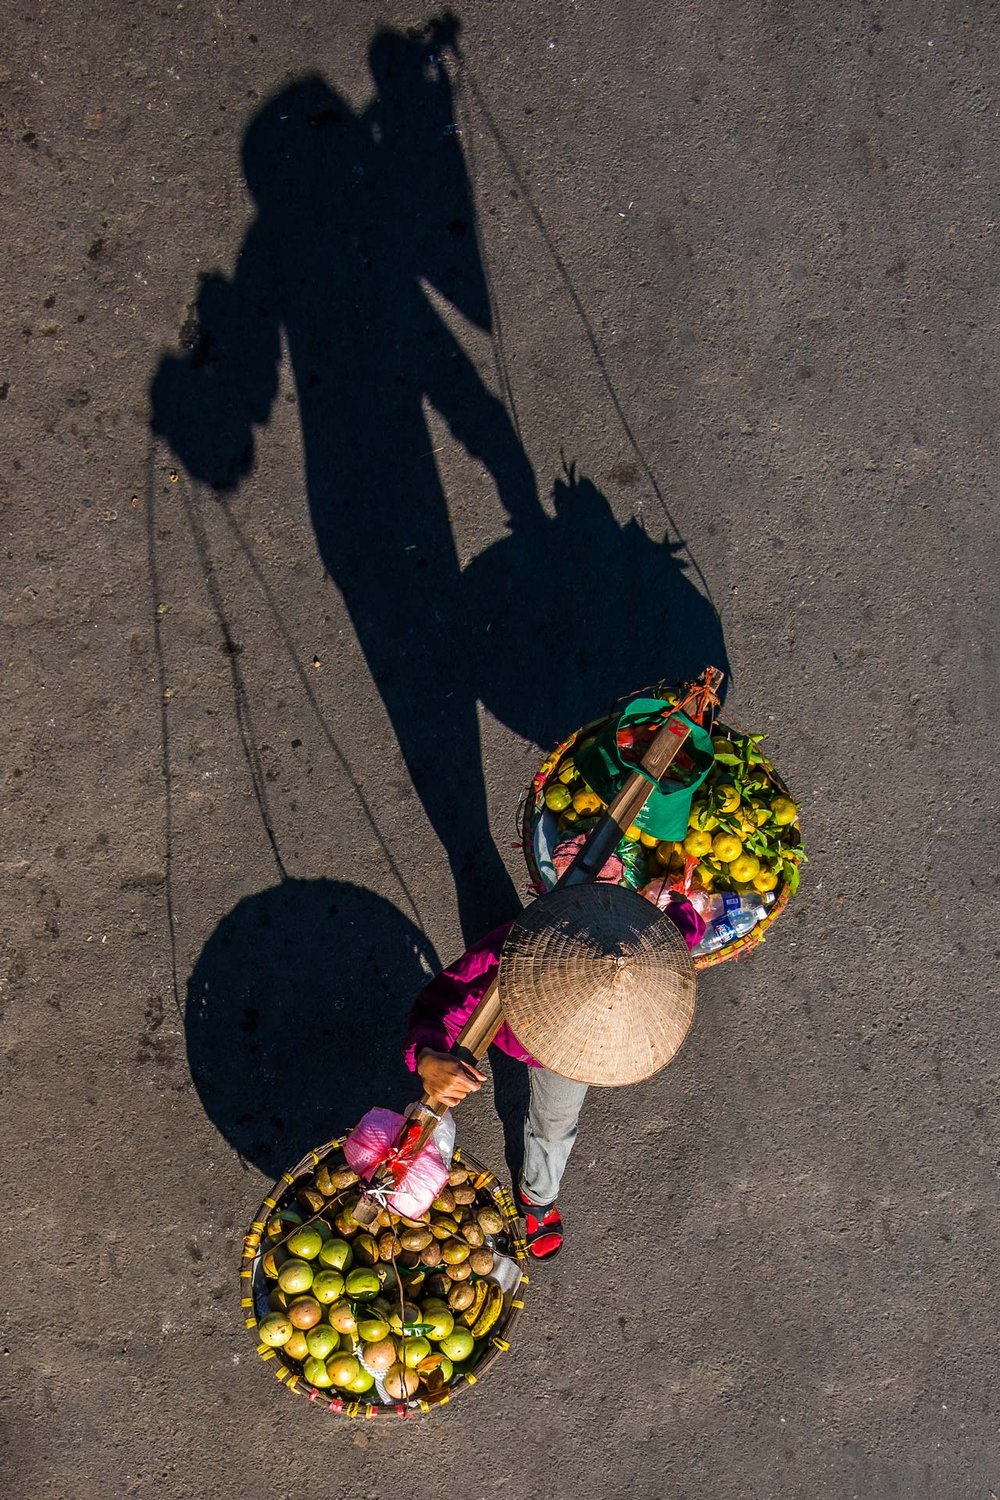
(543, 1230)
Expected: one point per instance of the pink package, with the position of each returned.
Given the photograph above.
(660, 891)
(371, 1142)
(566, 851)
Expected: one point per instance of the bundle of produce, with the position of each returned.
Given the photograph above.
(738, 858)
(389, 1319)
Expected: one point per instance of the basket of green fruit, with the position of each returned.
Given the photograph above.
(391, 1319)
(738, 861)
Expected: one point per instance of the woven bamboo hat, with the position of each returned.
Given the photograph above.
(597, 984)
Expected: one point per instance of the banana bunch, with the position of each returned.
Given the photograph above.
(481, 1317)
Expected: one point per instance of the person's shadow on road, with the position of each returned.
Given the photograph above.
(356, 213)
(296, 1012)
(295, 1016)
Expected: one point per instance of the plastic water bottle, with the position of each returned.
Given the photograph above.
(728, 917)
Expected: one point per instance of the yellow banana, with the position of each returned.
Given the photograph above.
(475, 1307)
(490, 1313)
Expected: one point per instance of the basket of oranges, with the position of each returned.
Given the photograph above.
(738, 862)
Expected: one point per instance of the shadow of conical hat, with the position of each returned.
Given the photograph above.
(597, 984)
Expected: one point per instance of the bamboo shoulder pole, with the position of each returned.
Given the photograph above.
(487, 1018)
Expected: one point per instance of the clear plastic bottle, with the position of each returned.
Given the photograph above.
(728, 916)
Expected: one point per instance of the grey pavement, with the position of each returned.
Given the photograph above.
(736, 264)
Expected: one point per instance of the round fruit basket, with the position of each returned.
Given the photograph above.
(743, 800)
(391, 1322)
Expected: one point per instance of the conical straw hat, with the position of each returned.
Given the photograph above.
(597, 984)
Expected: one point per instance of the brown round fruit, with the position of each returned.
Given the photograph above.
(444, 1203)
(341, 1317)
(461, 1296)
(420, 1222)
(380, 1356)
(473, 1235)
(481, 1262)
(457, 1176)
(461, 1272)
(305, 1312)
(490, 1221)
(297, 1347)
(454, 1251)
(342, 1369)
(416, 1239)
(401, 1383)
(430, 1255)
(437, 1285)
(464, 1195)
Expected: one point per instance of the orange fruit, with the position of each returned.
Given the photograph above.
(784, 811)
(587, 803)
(730, 798)
(745, 868)
(698, 844)
(557, 797)
(726, 847)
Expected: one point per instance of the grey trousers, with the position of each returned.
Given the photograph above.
(549, 1133)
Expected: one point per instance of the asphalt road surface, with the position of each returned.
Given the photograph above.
(370, 417)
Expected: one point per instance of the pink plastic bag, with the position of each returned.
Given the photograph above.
(371, 1142)
(566, 851)
(660, 891)
(687, 912)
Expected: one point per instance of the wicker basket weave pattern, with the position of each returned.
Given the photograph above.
(533, 803)
(288, 1373)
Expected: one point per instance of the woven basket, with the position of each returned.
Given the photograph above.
(533, 805)
(254, 1289)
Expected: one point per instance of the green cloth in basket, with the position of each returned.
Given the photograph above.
(668, 808)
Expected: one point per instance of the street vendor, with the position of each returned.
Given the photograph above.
(436, 1019)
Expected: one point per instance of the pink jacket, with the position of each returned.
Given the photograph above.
(443, 1006)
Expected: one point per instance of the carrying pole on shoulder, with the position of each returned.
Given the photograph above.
(424, 1117)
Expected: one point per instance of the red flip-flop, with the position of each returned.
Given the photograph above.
(543, 1229)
